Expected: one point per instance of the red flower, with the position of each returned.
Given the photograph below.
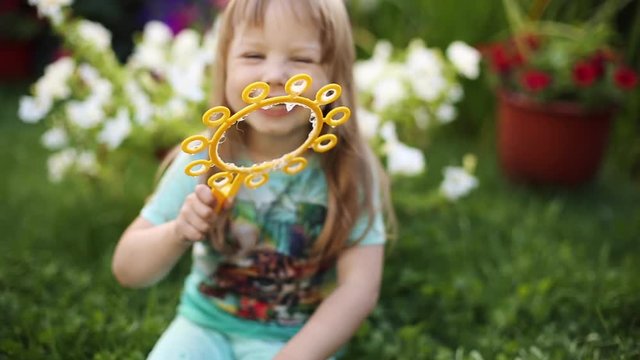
(535, 80)
(500, 60)
(585, 73)
(598, 61)
(505, 58)
(532, 41)
(625, 78)
(518, 59)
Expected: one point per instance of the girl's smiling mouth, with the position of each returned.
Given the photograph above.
(279, 110)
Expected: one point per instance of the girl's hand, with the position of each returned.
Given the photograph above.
(197, 215)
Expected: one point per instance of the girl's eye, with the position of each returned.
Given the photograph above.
(304, 60)
(253, 56)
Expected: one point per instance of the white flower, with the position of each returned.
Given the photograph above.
(143, 108)
(175, 108)
(403, 159)
(464, 58)
(62, 67)
(88, 74)
(101, 88)
(383, 50)
(457, 182)
(51, 9)
(185, 47)
(86, 162)
(54, 83)
(51, 87)
(426, 71)
(153, 52)
(85, 114)
(33, 109)
(55, 138)
(428, 87)
(149, 57)
(210, 43)
(156, 33)
(422, 118)
(187, 81)
(368, 72)
(456, 92)
(101, 92)
(95, 33)
(388, 132)
(389, 91)
(115, 130)
(59, 163)
(421, 60)
(446, 113)
(368, 123)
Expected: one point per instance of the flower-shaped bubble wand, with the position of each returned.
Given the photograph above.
(226, 183)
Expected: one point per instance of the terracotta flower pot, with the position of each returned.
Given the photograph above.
(559, 143)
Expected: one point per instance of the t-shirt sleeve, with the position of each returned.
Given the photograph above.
(174, 186)
(376, 234)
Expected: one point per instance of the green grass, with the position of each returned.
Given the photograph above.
(512, 271)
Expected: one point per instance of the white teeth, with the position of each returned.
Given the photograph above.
(289, 106)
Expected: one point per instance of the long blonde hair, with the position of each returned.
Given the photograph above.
(350, 166)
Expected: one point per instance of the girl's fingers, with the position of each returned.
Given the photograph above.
(203, 210)
(203, 193)
(197, 214)
(191, 233)
(198, 223)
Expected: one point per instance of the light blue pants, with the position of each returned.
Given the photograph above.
(185, 340)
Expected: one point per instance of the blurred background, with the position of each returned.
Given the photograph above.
(501, 254)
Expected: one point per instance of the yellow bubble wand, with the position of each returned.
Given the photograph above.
(226, 183)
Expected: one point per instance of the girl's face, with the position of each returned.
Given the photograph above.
(273, 53)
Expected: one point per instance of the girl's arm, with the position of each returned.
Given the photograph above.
(340, 314)
(146, 252)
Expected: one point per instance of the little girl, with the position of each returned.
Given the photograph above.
(291, 269)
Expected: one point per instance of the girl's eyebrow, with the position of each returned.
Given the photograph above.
(305, 46)
(296, 47)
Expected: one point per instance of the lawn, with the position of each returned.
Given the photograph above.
(510, 272)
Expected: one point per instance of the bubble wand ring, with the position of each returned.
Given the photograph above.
(226, 183)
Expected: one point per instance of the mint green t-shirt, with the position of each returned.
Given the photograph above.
(271, 286)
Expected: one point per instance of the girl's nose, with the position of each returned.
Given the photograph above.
(275, 73)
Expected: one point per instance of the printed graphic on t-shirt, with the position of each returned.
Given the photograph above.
(273, 277)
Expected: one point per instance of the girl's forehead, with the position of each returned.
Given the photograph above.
(275, 12)
(291, 30)
(278, 27)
